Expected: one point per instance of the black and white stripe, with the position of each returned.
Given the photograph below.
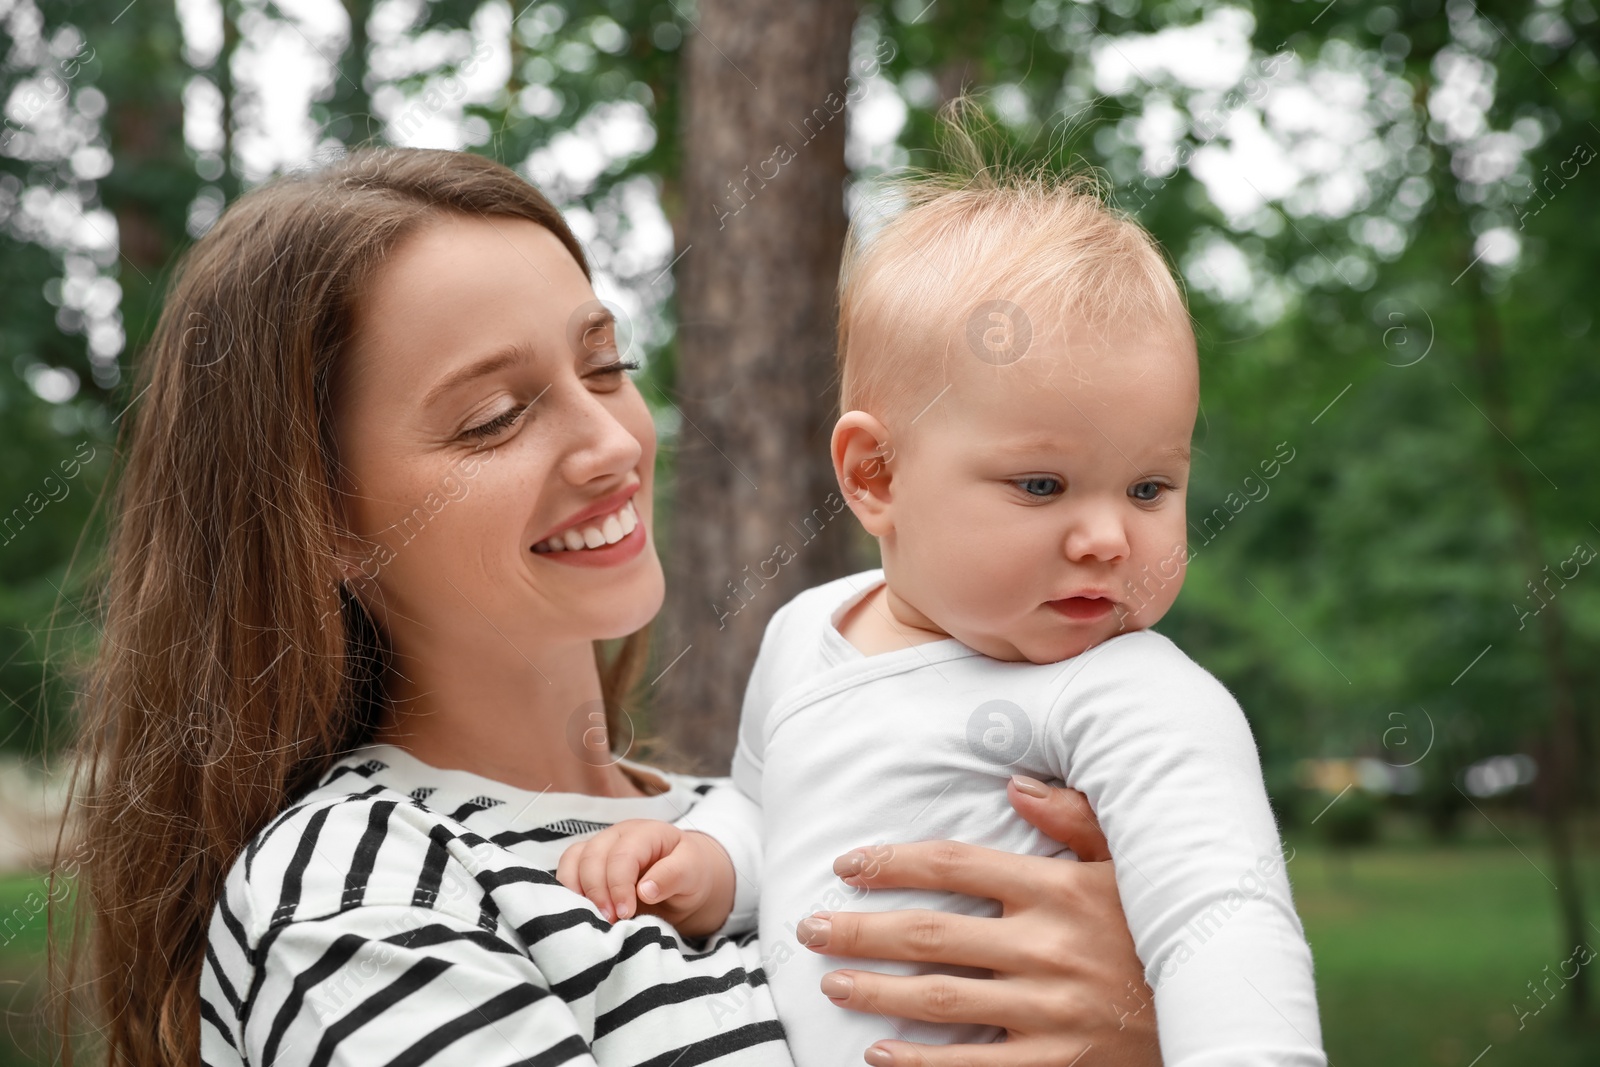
(402, 915)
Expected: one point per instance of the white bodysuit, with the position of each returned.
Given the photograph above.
(838, 750)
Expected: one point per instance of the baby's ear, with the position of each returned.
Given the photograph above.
(862, 455)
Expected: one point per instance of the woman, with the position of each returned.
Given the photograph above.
(349, 708)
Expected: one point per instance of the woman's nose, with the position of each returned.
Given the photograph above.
(1097, 533)
(603, 446)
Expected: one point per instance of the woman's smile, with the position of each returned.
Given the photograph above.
(605, 541)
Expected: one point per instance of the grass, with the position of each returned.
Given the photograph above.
(22, 960)
(1422, 952)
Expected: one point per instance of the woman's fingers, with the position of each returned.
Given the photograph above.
(1026, 1052)
(913, 934)
(949, 865)
(1063, 814)
(945, 998)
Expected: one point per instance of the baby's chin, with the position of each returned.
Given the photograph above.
(1041, 648)
(1045, 648)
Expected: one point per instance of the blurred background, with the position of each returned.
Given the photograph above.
(1385, 217)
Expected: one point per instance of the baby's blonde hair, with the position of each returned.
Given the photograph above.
(980, 247)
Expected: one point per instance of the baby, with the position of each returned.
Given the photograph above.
(1019, 388)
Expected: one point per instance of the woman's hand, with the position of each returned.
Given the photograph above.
(1066, 978)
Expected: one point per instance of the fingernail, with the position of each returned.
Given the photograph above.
(1031, 786)
(879, 1057)
(849, 863)
(837, 986)
(648, 891)
(815, 930)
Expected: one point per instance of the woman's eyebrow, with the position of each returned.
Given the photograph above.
(498, 360)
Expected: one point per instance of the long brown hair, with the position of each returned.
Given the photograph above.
(222, 685)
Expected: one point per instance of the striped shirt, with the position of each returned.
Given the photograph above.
(403, 914)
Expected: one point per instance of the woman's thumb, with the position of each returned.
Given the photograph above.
(1064, 814)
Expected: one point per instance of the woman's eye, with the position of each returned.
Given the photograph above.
(494, 425)
(1146, 492)
(1040, 486)
(615, 368)
(504, 420)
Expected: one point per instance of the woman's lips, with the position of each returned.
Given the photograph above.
(1084, 608)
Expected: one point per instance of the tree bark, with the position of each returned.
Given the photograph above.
(350, 116)
(152, 179)
(1556, 798)
(1556, 792)
(228, 182)
(757, 515)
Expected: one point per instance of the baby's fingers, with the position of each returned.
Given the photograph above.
(567, 867)
(639, 842)
(583, 870)
(677, 874)
(622, 869)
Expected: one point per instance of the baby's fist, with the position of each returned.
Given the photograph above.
(641, 861)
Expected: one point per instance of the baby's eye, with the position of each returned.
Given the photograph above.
(1040, 486)
(1146, 492)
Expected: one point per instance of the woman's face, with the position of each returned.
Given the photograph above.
(470, 322)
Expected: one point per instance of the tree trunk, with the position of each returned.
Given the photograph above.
(1556, 794)
(757, 515)
(152, 179)
(1557, 789)
(229, 180)
(350, 116)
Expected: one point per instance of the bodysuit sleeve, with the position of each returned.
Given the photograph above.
(731, 813)
(1165, 756)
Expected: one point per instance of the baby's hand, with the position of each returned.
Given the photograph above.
(682, 875)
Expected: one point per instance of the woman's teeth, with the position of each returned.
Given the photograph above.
(596, 533)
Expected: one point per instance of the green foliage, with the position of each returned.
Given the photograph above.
(1350, 820)
(1377, 565)
(1371, 597)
